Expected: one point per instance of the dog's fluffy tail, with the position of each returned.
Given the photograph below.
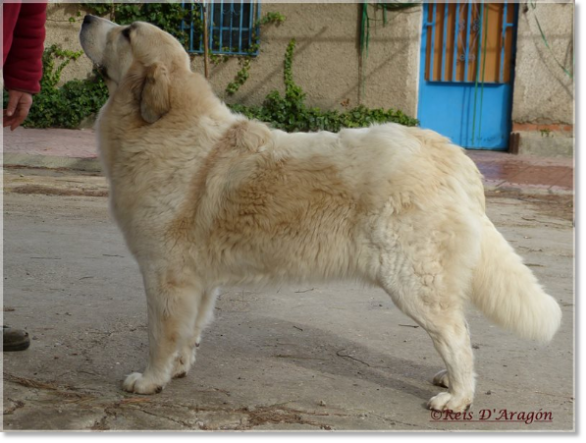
(508, 293)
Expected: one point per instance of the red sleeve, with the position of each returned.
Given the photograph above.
(24, 68)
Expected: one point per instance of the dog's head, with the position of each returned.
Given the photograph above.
(139, 56)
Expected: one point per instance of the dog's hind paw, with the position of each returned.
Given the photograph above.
(448, 402)
(138, 384)
(183, 363)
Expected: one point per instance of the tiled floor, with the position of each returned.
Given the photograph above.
(500, 170)
(507, 170)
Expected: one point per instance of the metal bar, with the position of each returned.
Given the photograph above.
(445, 25)
(503, 42)
(480, 29)
(211, 26)
(431, 64)
(183, 19)
(206, 46)
(240, 28)
(456, 33)
(467, 42)
(257, 24)
(221, 49)
(428, 23)
(250, 25)
(191, 30)
(231, 21)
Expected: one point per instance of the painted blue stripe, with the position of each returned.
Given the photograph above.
(456, 20)
(466, 61)
(504, 41)
(432, 49)
(445, 24)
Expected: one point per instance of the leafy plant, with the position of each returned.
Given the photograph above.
(269, 18)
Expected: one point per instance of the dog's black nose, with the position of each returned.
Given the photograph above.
(88, 19)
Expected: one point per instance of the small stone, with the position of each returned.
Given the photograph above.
(322, 403)
(488, 392)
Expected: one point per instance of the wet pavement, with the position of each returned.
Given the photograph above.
(501, 169)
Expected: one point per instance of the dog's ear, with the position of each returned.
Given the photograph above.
(155, 95)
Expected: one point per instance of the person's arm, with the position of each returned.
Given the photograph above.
(23, 68)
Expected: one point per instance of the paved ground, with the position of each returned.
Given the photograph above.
(63, 148)
(337, 357)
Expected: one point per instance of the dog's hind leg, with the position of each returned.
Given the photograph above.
(441, 315)
(172, 302)
(205, 313)
(187, 351)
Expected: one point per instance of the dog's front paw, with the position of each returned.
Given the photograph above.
(139, 384)
(448, 402)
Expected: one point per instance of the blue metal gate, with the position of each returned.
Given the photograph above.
(466, 74)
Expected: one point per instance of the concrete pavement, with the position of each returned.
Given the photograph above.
(313, 358)
(317, 358)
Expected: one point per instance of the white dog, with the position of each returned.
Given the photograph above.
(206, 198)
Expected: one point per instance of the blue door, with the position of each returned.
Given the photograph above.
(466, 73)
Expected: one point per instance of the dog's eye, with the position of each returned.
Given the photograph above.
(126, 33)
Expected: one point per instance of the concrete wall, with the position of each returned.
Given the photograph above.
(543, 100)
(544, 93)
(327, 64)
(64, 33)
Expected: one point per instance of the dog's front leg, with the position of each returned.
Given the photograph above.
(172, 310)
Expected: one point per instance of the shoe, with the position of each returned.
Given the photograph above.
(15, 339)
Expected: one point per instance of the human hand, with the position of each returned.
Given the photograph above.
(19, 105)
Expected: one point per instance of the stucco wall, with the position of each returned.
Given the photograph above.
(327, 64)
(65, 33)
(543, 92)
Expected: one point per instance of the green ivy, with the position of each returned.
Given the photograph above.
(241, 76)
(290, 113)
